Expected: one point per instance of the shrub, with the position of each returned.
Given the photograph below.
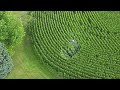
(5, 62)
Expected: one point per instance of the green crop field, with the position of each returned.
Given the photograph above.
(68, 45)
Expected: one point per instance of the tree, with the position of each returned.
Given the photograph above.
(11, 29)
(5, 62)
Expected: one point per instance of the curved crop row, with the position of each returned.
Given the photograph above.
(99, 52)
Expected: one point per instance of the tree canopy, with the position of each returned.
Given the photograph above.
(11, 29)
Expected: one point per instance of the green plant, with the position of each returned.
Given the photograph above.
(5, 61)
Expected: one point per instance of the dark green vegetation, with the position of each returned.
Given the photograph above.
(70, 49)
(98, 37)
(5, 62)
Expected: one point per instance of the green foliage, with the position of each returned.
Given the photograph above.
(11, 29)
(5, 62)
(99, 55)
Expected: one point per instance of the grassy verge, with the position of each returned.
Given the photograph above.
(26, 64)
